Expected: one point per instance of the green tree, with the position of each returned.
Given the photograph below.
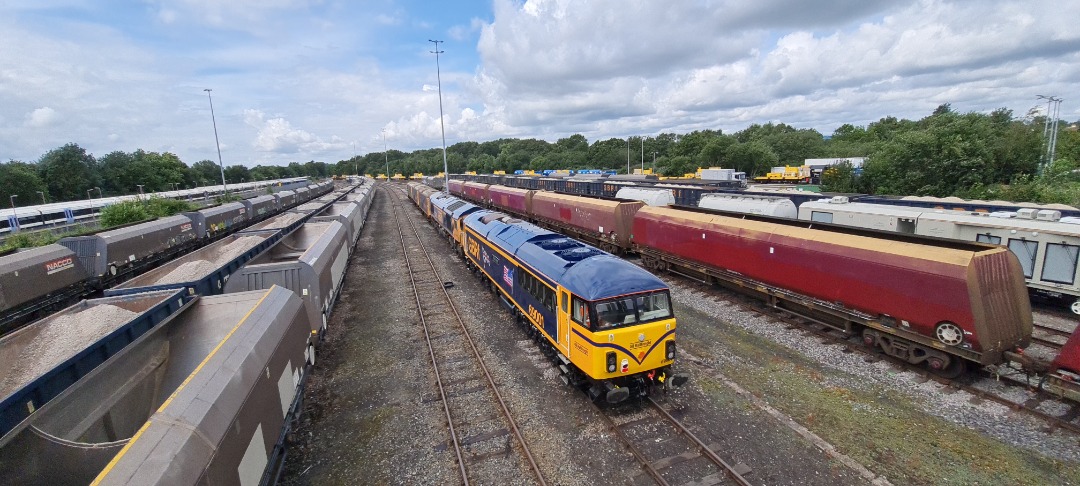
(714, 154)
(235, 174)
(754, 157)
(68, 172)
(608, 154)
(204, 173)
(21, 179)
(840, 178)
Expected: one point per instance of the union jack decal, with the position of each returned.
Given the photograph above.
(508, 275)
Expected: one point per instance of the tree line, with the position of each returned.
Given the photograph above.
(971, 155)
(68, 173)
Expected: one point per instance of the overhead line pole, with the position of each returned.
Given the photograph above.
(442, 124)
(217, 142)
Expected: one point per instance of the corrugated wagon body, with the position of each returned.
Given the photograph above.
(111, 252)
(202, 399)
(607, 223)
(510, 199)
(457, 187)
(311, 262)
(217, 220)
(205, 270)
(260, 207)
(476, 192)
(286, 199)
(914, 287)
(34, 273)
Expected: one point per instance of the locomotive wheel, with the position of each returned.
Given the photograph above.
(949, 333)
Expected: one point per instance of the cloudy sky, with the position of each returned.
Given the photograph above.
(299, 80)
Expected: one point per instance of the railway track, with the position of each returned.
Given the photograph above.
(485, 439)
(832, 336)
(669, 453)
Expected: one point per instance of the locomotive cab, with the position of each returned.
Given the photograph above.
(632, 339)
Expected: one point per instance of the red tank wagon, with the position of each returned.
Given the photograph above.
(941, 300)
(603, 222)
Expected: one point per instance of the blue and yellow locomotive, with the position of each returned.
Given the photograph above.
(607, 323)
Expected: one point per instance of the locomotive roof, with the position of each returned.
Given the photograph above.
(584, 270)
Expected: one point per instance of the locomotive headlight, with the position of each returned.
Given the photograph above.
(611, 362)
(670, 349)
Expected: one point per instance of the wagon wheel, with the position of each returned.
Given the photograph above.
(949, 368)
(949, 333)
(870, 337)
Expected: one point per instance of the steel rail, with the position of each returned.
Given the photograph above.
(729, 470)
(476, 352)
(431, 348)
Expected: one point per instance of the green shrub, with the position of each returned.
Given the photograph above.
(227, 198)
(123, 213)
(160, 207)
(29, 239)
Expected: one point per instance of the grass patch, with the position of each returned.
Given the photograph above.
(878, 427)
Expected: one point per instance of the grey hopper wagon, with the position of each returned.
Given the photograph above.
(260, 207)
(311, 261)
(217, 220)
(303, 194)
(286, 199)
(117, 251)
(205, 270)
(310, 207)
(285, 222)
(34, 278)
(346, 213)
(202, 399)
(44, 358)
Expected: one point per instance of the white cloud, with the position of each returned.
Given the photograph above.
(292, 82)
(685, 65)
(41, 117)
(278, 135)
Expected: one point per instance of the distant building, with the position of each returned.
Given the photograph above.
(823, 163)
(817, 166)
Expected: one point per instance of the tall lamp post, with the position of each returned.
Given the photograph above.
(642, 155)
(42, 194)
(90, 197)
(627, 155)
(386, 155)
(442, 124)
(221, 166)
(13, 213)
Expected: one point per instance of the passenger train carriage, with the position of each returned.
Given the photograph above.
(1046, 245)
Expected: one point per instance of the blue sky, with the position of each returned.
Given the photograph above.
(298, 80)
